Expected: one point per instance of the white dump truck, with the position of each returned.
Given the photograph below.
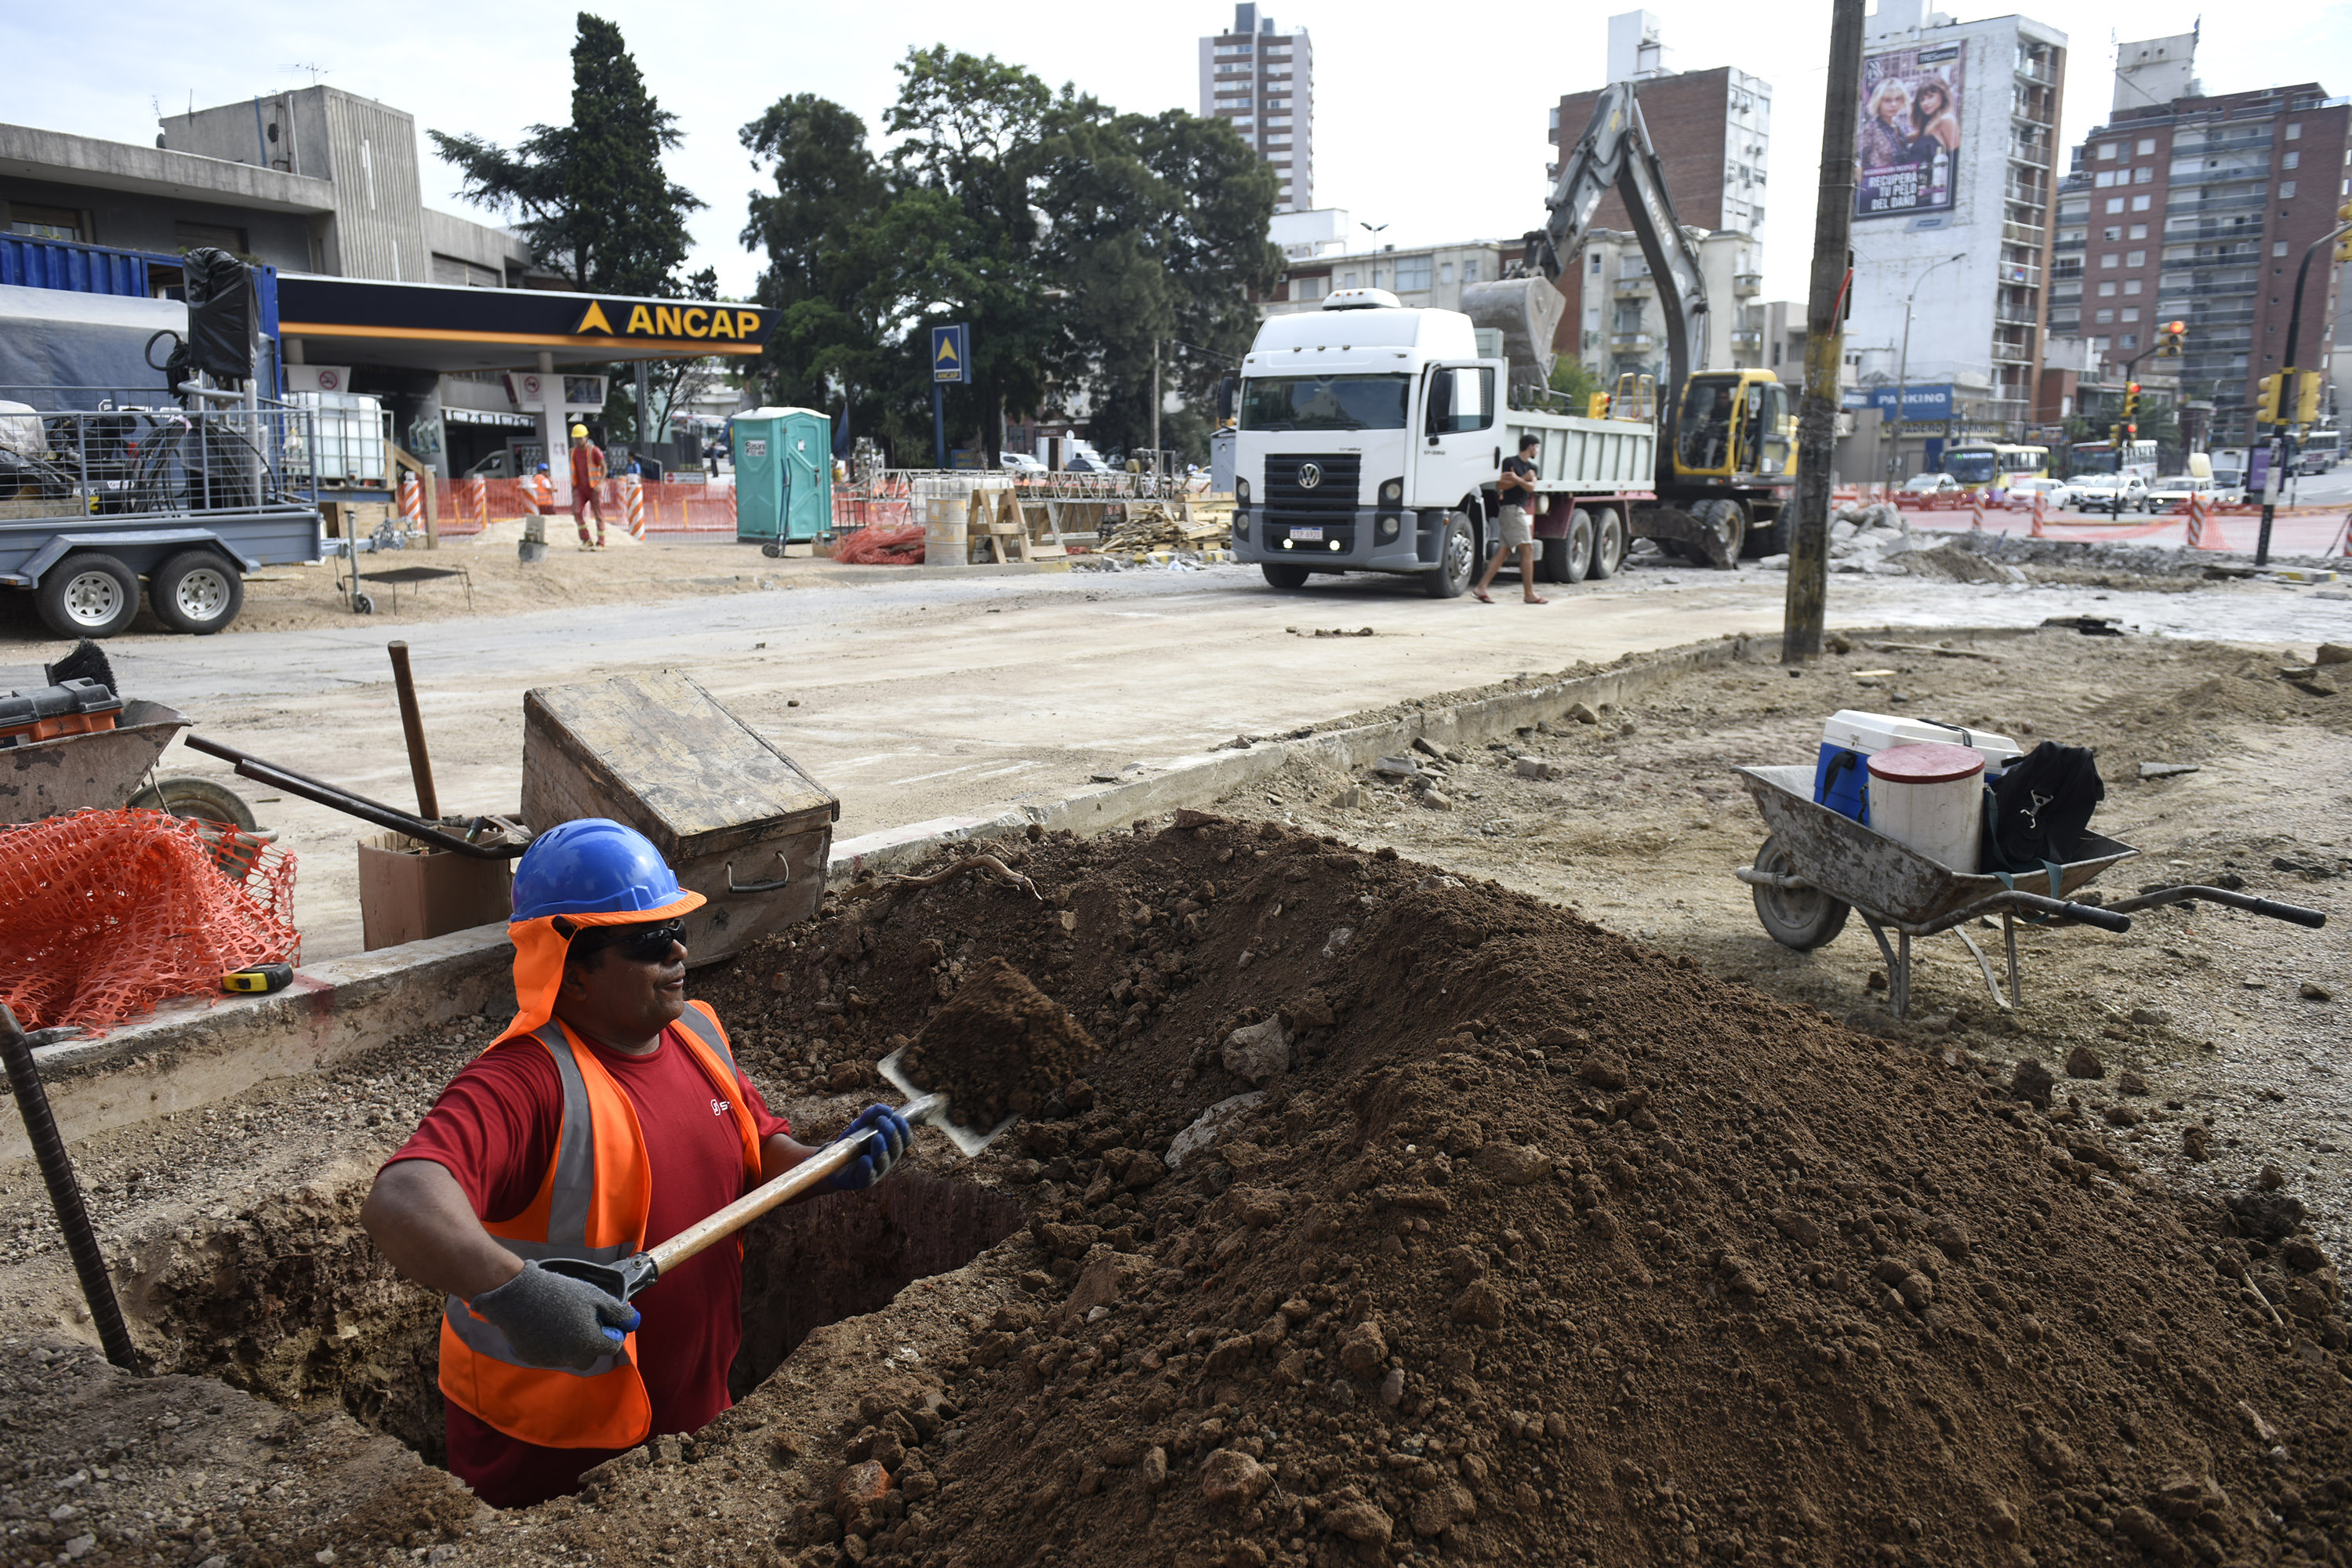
(1370, 439)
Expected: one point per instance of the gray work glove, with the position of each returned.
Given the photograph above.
(553, 1321)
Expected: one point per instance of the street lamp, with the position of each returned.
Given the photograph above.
(1373, 272)
(1903, 366)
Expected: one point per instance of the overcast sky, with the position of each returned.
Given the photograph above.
(1436, 131)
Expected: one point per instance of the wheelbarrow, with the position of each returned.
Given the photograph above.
(1819, 865)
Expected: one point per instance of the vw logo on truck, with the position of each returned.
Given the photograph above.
(1310, 475)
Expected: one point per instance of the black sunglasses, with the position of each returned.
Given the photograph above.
(638, 944)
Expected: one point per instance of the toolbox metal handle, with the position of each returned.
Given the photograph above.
(775, 887)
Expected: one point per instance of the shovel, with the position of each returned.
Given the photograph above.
(634, 1274)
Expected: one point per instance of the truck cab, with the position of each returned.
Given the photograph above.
(1368, 435)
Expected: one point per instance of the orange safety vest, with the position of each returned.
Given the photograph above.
(592, 1206)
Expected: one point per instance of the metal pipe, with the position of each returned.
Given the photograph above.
(338, 799)
(411, 725)
(65, 1192)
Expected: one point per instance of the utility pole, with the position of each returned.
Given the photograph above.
(1155, 398)
(1808, 541)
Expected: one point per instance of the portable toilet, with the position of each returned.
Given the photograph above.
(784, 476)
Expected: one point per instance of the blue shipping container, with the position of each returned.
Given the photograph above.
(31, 263)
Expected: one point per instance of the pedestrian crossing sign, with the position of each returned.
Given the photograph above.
(949, 357)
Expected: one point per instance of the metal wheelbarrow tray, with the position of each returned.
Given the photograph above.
(1818, 864)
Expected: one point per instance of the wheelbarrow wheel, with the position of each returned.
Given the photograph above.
(1801, 917)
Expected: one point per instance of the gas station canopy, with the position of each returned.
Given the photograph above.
(438, 327)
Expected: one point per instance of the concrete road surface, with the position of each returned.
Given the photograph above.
(919, 698)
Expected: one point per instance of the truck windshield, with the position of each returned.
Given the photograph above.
(1325, 402)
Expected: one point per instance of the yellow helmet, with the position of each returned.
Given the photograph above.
(579, 432)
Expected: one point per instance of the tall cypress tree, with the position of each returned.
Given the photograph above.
(591, 196)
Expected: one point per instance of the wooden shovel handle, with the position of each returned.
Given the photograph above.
(755, 1203)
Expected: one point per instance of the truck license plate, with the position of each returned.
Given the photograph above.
(1314, 533)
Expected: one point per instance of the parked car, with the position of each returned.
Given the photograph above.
(2113, 493)
(1931, 485)
(2175, 489)
(1020, 463)
(2059, 494)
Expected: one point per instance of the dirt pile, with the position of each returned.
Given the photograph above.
(1000, 1048)
(1552, 1248)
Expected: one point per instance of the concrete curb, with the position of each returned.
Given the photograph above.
(190, 1055)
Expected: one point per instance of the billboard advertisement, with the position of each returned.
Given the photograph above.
(1909, 144)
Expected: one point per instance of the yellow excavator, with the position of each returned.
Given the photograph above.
(1726, 440)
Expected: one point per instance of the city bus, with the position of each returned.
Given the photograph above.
(1980, 465)
(2319, 450)
(2105, 458)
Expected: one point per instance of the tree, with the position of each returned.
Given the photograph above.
(591, 196)
(1575, 383)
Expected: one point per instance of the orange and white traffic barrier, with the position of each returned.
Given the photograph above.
(2041, 513)
(473, 495)
(411, 503)
(1976, 514)
(632, 504)
(2193, 535)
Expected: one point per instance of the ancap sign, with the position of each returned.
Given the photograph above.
(643, 320)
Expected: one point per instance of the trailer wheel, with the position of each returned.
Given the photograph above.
(88, 596)
(1281, 575)
(1799, 918)
(1569, 558)
(1608, 543)
(196, 592)
(1457, 560)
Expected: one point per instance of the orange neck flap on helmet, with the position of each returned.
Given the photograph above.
(543, 945)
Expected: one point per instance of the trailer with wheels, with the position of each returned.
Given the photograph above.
(98, 505)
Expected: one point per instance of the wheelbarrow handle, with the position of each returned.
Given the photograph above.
(2293, 914)
(2084, 914)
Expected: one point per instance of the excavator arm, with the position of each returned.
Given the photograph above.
(1616, 151)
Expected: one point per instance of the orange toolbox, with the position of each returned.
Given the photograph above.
(72, 708)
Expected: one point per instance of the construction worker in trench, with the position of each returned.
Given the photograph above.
(608, 1117)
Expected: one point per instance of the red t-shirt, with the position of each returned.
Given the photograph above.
(494, 1128)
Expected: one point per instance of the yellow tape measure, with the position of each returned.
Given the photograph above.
(261, 977)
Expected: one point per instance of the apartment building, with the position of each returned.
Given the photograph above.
(1262, 82)
(2197, 208)
(1431, 277)
(1956, 147)
(1713, 130)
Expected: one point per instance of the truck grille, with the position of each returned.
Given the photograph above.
(1286, 498)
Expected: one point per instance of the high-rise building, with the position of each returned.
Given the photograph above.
(1954, 146)
(1262, 83)
(1713, 130)
(2199, 208)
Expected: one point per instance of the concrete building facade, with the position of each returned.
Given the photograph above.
(1956, 149)
(1427, 277)
(1262, 83)
(2199, 208)
(1713, 130)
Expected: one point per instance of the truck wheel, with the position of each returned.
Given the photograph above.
(1569, 558)
(1608, 543)
(88, 596)
(1457, 560)
(1729, 525)
(196, 592)
(1800, 917)
(1281, 576)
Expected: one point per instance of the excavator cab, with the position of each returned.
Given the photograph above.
(1636, 398)
(1735, 425)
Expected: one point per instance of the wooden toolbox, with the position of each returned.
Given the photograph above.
(737, 819)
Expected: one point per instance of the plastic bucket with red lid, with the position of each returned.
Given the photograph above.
(1930, 798)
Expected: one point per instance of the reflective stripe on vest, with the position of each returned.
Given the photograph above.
(561, 1406)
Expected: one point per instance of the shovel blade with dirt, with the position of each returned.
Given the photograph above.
(636, 1273)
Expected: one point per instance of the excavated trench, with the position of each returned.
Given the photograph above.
(294, 1304)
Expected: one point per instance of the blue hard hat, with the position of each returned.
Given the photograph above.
(542, 468)
(593, 866)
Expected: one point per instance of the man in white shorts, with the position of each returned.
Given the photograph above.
(1517, 489)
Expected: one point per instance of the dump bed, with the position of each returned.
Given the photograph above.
(1584, 456)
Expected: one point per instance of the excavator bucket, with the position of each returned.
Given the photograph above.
(1527, 311)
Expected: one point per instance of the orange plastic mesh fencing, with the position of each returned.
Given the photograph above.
(882, 546)
(111, 911)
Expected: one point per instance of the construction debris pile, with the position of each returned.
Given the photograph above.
(1150, 526)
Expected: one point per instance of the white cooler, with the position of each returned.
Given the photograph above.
(1851, 737)
(1931, 799)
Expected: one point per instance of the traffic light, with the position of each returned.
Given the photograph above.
(2131, 401)
(2174, 331)
(2266, 412)
(2306, 398)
